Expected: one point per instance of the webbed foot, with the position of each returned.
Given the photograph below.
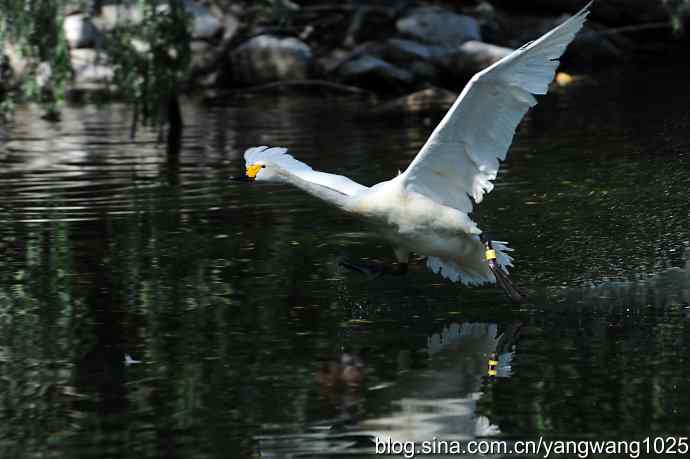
(374, 270)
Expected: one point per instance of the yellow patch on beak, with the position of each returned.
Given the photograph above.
(253, 170)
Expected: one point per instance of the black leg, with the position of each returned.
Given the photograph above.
(502, 278)
(506, 284)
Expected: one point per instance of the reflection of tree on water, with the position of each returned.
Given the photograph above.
(39, 318)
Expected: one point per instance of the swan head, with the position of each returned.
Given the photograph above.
(269, 164)
(253, 172)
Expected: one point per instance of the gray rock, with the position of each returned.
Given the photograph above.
(330, 62)
(588, 51)
(370, 21)
(438, 26)
(92, 69)
(81, 32)
(371, 71)
(113, 16)
(393, 59)
(205, 26)
(15, 63)
(591, 50)
(425, 61)
(419, 59)
(269, 58)
(230, 26)
(71, 7)
(401, 50)
(374, 48)
(544, 6)
(206, 81)
(203, 56)
(472, 57)
(484, 11)
(427, 102)
(610, 12)
(425, 73)
(43, 74)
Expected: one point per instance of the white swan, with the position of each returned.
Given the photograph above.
(425, 209)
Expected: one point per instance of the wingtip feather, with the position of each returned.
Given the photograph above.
(478, 129)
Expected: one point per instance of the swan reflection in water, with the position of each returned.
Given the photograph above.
(439, 397)
(436, 401)
(440, 401)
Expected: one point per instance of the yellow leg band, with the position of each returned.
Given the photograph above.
(490, 254)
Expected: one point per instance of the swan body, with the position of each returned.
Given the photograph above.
(412, 222)
(426, 208)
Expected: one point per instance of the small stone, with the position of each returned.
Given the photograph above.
(16, 61)
(80, 32)
(230, 26)
(91, 68)
(113, 16)
(398, 49)
(202, 56)
(370, 71)
(438, 26)
(205, 26)
(335, 59)
(267, 58)
(472, 57)
(427, 102)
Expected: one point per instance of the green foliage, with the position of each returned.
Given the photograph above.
(150, 58)
(34, 27)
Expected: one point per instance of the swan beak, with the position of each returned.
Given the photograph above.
(250, 174)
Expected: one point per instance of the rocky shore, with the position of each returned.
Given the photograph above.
(385, 47)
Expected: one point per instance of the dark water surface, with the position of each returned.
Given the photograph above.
(231, 297)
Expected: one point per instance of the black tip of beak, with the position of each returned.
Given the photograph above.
(241, 178)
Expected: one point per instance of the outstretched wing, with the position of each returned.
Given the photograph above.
(462, 155)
